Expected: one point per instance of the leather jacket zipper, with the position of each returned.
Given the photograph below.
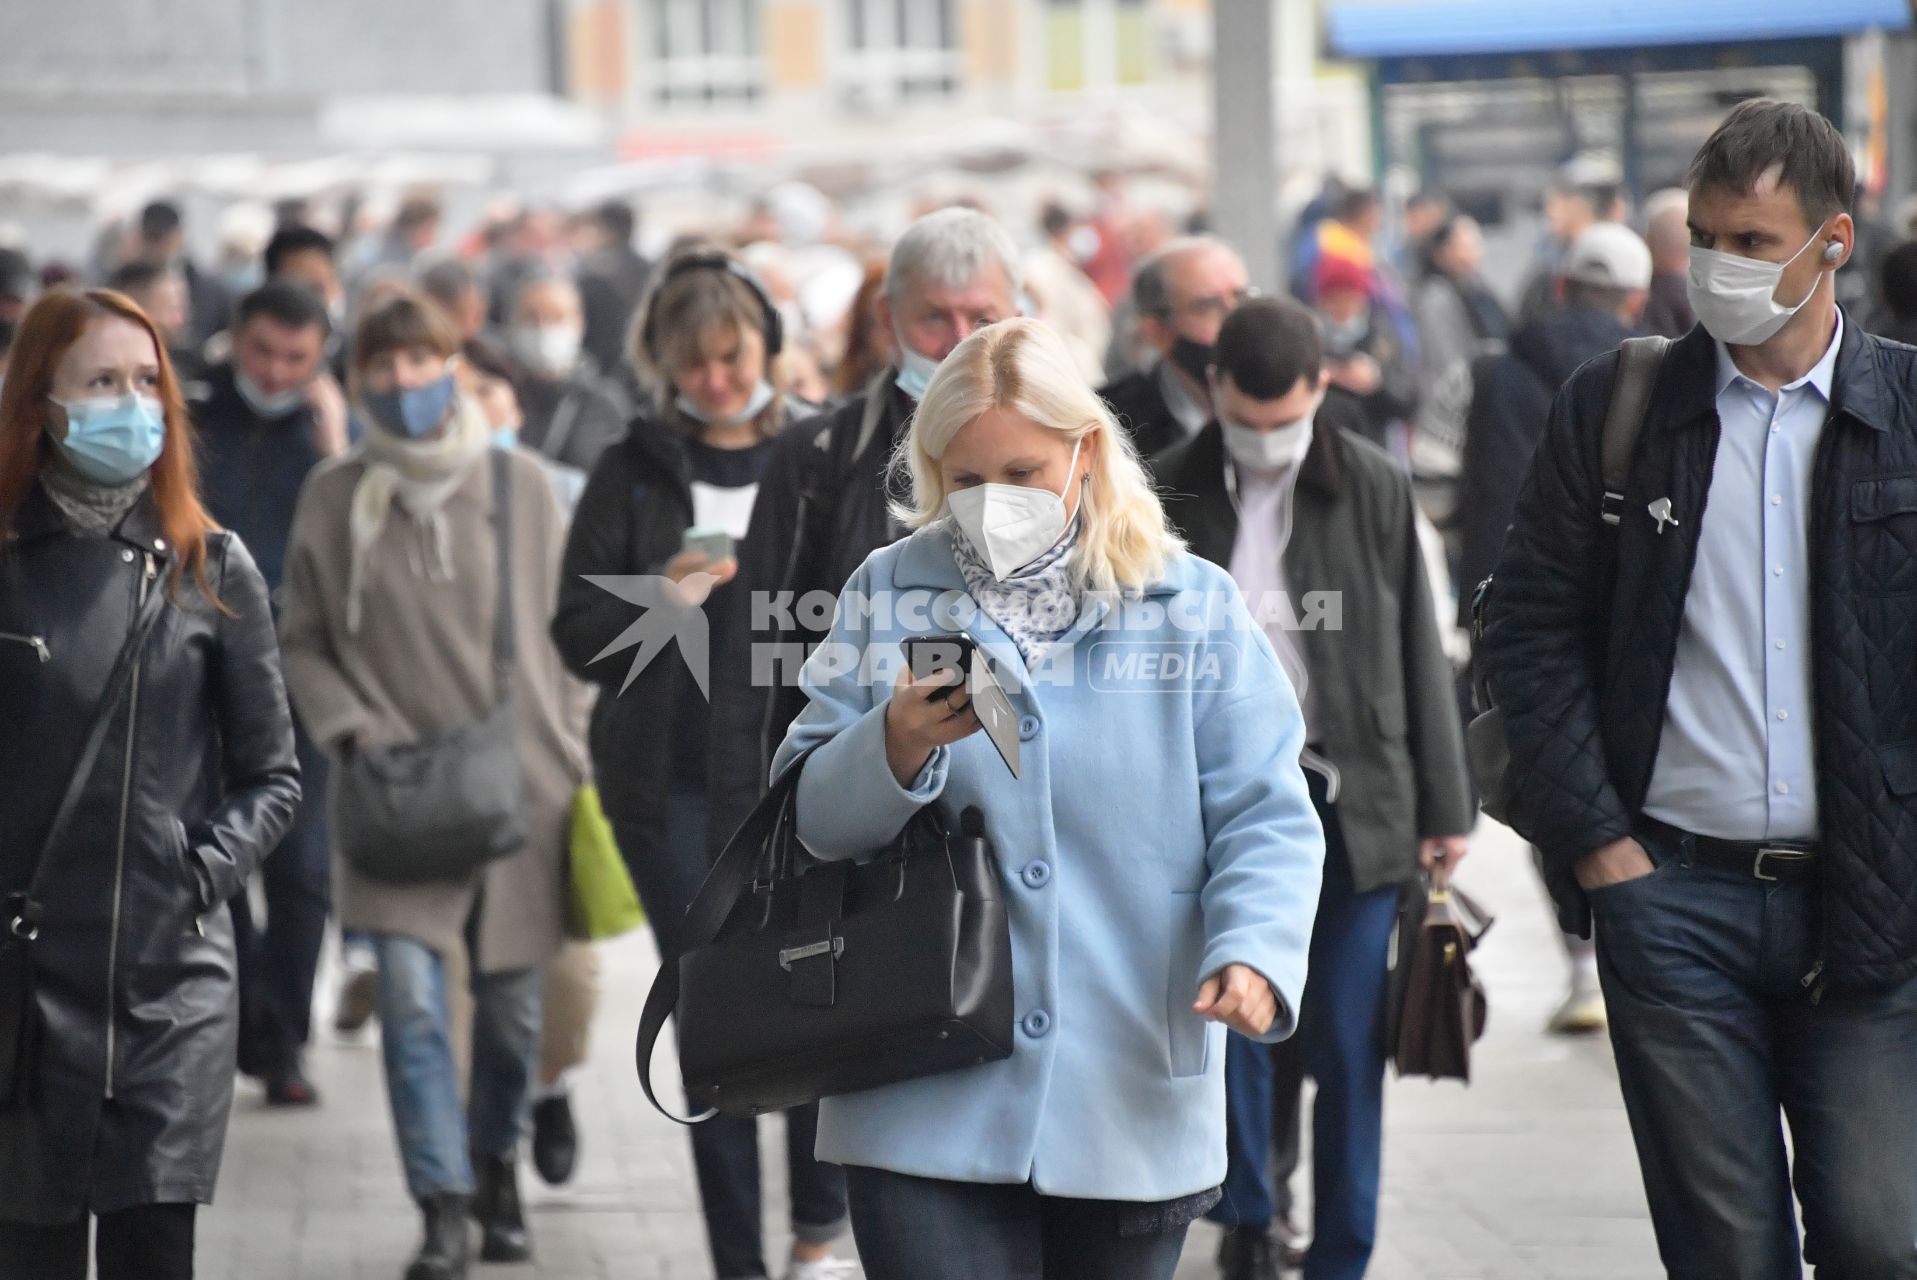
(39, 644)
(119, 852)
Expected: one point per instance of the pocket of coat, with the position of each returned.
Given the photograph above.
(1188, 1035)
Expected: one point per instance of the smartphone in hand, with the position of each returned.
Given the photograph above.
(714, 544)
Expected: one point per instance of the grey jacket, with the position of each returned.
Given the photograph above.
(1383, 710)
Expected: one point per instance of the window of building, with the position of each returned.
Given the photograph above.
(901, 48)
(1132, 23)
(707, 51)
(1097, 44)
(1065, 45)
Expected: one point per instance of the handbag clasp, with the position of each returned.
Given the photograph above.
(792, 955)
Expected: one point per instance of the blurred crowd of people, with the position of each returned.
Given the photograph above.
(746, 392)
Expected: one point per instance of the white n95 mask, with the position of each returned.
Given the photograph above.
(1272, 450)
(1733, 296)
(1012, 525)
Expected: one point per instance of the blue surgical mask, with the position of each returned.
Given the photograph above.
(412, 412)
(761, 397)
(113, 439)
(915, 372)
(505, 437)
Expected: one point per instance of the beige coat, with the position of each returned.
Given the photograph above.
(422, 663)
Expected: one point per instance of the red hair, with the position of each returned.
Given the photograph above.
(46, 334)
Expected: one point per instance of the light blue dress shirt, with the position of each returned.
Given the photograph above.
(1736, 759)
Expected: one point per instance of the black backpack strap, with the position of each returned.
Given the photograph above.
(24, 909)
(707, 914)
(1638, 362)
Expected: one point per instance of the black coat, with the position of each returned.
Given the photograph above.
(1383, 710)
(134, 966)
(1511, 397)
(833, 466)
(252, 468)
(574, 421)
(1139, 405)
(1584, 621)
(631, 519)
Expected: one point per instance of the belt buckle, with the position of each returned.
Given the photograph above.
(1757, 865)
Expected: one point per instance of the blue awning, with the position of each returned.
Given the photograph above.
(1437, 28)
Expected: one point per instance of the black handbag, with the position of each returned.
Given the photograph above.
(19, 1015)
(804, 979)
(442, 807)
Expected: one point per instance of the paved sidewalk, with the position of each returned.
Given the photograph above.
(1527, 1175)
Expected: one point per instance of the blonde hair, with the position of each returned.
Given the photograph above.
(1022, 365)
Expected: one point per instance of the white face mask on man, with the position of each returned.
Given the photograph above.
(1734, 297)
(1012, 525)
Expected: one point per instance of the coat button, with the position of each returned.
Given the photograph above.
(1037, 1023)
(127, 555)
(1027, 728)
(159, 544)
(1037, 874)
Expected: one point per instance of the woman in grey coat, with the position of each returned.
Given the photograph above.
(391, 592)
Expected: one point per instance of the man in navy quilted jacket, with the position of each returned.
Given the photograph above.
(1709, 684)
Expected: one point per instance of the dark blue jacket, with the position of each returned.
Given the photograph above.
(251, 470)
(1583, 622)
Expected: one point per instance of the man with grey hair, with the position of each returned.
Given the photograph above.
(821, 507)
(1182, 295)
(1667, 231)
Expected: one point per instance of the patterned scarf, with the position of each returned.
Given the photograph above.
(88, 508)
(1036, 605)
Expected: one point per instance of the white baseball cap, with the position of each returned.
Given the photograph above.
(1609, 255)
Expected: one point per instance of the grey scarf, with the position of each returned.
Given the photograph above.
(87, 507)
(1036, 605)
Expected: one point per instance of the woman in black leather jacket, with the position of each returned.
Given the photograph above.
(124, 1106)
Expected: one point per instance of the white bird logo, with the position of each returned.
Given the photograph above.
(667, 617)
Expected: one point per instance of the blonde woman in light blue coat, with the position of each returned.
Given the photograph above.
(1160, 853)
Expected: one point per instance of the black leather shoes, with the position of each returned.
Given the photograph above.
(555, 1140)
(1247, 1254)
(446, 1250)
(502, 1222)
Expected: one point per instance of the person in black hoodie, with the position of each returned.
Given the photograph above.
(1605, 282)
(707, 339)
(261, 429)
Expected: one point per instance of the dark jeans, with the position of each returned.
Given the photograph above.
(1340, 1044)
(925, 1229)
(277, 963)
(1716, 1034)
(725, 1149)
(150, 1242)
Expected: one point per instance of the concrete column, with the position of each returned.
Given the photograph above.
(1244, 134)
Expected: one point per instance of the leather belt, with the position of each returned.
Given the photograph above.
(1759, 859)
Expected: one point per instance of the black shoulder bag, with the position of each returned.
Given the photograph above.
(19, 1016)
(444, 806)
(804, 979)
(1485, 747)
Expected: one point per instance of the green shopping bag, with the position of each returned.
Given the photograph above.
(602, 903)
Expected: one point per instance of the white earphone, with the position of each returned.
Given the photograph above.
(1833, 251)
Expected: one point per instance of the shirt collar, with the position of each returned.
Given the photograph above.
(1190, 414)
(1822, 375)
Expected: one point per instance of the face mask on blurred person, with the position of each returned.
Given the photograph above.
(1272, 450)
(1734, 297)
(1343, 336)
(915, 372)
(1193, 357)
(551, 349)
(272, 405)
(761, 397)
(505, 437)
(1012, 525)
(412, 413)
(113, 439)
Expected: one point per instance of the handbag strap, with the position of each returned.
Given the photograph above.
(24, 915)
(504, 650)
(707, 915)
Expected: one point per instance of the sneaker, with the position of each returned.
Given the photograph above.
(1581, 1014)
(824, 1269)
(290, 1089)
(359, 992)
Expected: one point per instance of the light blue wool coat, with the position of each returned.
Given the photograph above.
(1160, 830)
